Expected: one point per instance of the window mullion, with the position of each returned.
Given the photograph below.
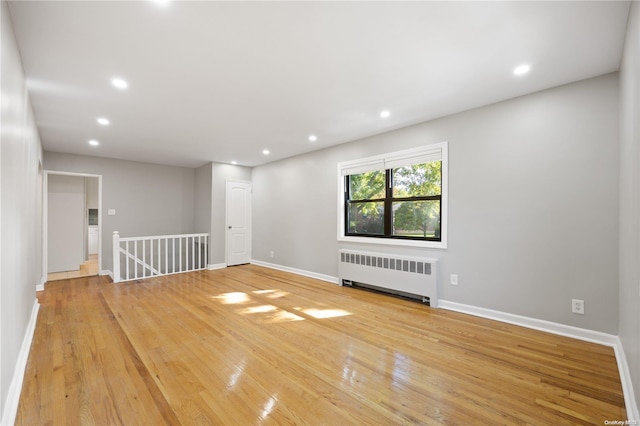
(388, 214)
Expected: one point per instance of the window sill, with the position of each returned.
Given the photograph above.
(393, 242)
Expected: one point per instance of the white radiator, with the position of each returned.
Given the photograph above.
(409, 275)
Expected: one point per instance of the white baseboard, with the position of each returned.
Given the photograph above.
(322, 277)
(627, 384)
(15, 388)
(214, 266)
(562, 330)
(533, 323)
(107, 272)
(43, 281)
(536, 324)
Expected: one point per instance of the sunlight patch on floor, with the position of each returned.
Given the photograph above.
(272, 294)
(232, 298)
(325, 313)
(259, 309)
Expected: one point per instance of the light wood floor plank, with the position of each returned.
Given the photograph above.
(250, 345)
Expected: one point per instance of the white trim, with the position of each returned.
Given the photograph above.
(45, 216)
(562, 330)
(533, 323)
(15, 388)
(226, 217)
(155, 237)
(40, 286)
(392, 242)
(322, 277)
(214, 266)
(443, 147)
(106, 272)
(627, 383)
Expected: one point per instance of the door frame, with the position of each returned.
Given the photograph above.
(45, 219)
(226, 217)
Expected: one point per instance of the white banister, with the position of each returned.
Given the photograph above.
(116, 257)
(150, 263)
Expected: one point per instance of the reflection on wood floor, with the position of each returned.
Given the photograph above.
(250, 345)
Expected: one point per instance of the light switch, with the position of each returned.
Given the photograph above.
(111, 212)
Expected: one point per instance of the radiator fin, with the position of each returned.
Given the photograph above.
(417, 267)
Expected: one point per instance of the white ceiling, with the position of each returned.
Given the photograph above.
(221, 81)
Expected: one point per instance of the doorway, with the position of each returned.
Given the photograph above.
(72, 205)
(238, 222)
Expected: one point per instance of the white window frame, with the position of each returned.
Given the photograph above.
(379, 162)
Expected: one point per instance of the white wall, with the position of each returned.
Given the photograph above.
(202, 206)
(533, 204)
(93, 192)
(629, 319)
(20, 211)
(149, 199)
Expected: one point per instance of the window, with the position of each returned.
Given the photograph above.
(397, 198)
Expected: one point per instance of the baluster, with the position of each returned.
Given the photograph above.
(206, 250)
(116, 257)
(135, 255)
(173, 255)
(151, 257)
(166, 255)
(186, 257)
(199, 252)
(193, 253)
(159, 259)
(180, 254)
(126, 258)
(144, 258)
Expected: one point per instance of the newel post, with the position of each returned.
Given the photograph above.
(116, 257)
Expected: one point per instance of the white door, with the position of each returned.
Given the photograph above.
(238, 222)
(66, 227)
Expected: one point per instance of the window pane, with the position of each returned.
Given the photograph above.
(416, 219)
(417, 180)
(366, 218)
(367, 186)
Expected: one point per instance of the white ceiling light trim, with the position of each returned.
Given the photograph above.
(161, 3)
(385, 113)
(119, 83)
(94, 142)
(522, 69)
(103, 121)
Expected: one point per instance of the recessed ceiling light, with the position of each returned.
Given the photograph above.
(119, 83)
(385, 113)
(313, 138)
(103, 121)
(161, 2)
(234, 162)
(94, 142)
(265, 152)
(522, 69)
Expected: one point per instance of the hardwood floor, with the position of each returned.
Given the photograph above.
(250, 345)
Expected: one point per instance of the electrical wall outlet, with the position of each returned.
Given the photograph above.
(577, 306)
(454, 279)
